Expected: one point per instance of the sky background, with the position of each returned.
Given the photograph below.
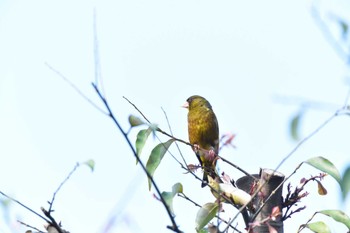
(256, 62)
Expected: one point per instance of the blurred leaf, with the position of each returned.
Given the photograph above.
(324, 165)
(169, 196)
(203, 230)
(135, 121)
(294, 126)
(338, 216)
(321, 189)
(154, 128)
(5, 203)
(91, 164)
(318, 227)
(344, 27)
(205, 214)
(156, 157)
(141, 140)
(345, 183)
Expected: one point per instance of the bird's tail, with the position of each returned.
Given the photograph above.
(205, 179)
(209, 171)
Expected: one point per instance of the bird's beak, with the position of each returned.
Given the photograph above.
(185, 105)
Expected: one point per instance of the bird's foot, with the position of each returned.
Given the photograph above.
(211, 155)
(196, 148)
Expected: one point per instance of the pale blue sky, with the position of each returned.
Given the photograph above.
(239, 55)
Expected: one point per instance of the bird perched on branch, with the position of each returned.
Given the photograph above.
(203, 132)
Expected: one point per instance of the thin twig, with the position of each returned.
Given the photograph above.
(29, 226)
(304, 225)
(308, 137)
(174, 226)
(144, 117)
(47, 213)
(60, 186)
(171, 132)
(75, 88)
(238, 168)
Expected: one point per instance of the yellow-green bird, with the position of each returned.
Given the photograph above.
(203, 132)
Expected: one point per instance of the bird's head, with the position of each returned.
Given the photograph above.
(196, 101)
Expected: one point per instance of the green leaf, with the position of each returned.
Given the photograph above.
(91, 164)
(318, 227)
(5, 203)
(345, 183)
(156, 157)
(294, 126)
(141, 139)
(135, 121)
(205, 214)
(169, 196)
(338, 216)
(177, 188)
(326, 166)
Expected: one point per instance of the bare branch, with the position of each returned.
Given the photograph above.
(60, 186)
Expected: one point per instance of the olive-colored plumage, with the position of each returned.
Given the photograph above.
(203, 131)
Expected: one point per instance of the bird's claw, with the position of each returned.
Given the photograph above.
(211, 154)
(196, 148)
